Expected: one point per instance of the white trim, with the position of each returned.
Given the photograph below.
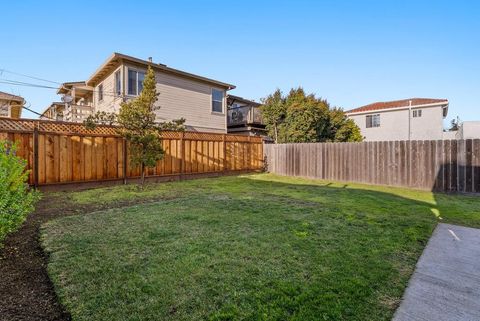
(443, 104)
(223, 101)
(119, 70)
(136, 80)
(100, 84)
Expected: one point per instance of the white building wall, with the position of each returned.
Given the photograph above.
(469, 130)
(394, 125)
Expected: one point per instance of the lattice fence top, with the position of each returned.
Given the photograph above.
(28, 125)
(58, 127)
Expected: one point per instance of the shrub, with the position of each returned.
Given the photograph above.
(16, 198)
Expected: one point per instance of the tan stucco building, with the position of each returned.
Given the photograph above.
(407, 119)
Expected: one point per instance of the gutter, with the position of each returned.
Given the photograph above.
(444, 104)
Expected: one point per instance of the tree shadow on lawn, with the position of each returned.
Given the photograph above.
(351, 248)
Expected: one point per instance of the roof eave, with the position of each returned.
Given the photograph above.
(122, 57)
(439, 104)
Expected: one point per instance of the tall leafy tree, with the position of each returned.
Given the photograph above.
(299, 118)
(273, 113)
(306, 120)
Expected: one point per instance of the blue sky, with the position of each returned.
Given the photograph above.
(349, 52)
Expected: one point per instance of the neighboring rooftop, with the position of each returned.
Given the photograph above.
(7, 96)
(233, 98)
(398, 104)
(116, 58)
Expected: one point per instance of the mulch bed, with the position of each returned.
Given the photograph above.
(26, 291)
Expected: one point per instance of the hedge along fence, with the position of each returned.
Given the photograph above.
(442, 165)
(59, 152)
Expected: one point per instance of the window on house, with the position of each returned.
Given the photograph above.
(100, 92)
(217, 101)
(118, 83)
(135, 82)
(417, 113)
(373, 120)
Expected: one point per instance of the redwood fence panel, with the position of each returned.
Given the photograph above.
(447, 165)
(59, 152)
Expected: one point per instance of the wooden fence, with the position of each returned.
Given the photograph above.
(59, 152)
(448, 165)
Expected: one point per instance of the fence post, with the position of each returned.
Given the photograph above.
(224, 138)
(35, 157)
(249, 153)
(182, 155)
(124, 161)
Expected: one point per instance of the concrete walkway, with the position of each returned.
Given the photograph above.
(446, 283)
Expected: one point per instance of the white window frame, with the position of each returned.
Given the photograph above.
(223, 102)
(417, 113)
(373, 124)
(118, 81)
(100, 92)
(136, 80)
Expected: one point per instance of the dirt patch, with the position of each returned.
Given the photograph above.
(26, 291)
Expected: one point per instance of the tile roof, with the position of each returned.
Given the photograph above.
(397, 104)
(7, 96)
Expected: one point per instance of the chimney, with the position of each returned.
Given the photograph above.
(150, 59)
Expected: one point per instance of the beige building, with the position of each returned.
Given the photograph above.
(407, 119)
(77, 108)
(10, 105)
(201, 101)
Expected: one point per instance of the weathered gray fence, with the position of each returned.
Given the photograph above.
(447, 165)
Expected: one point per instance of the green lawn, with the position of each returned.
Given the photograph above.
(252, 247)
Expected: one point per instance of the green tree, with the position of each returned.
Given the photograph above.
(273, 113)
(300, 118)
(343, 129)
(137, 124)
(306, 120)
(100, 117)
(16, 198)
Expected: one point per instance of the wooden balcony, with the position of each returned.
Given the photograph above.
(244, 116)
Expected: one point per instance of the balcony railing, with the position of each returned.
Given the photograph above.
(77, 113)
(246, 115)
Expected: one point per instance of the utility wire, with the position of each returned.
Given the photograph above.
(32, 77)
(25, 84)
(111, 93)
(37, 113)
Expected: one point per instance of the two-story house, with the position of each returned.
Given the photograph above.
(200, 100)
(11, 105)
(407, 119)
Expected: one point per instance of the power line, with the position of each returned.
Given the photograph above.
(36, 113)
(17, 83)
(25, 84)
(32, 77)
